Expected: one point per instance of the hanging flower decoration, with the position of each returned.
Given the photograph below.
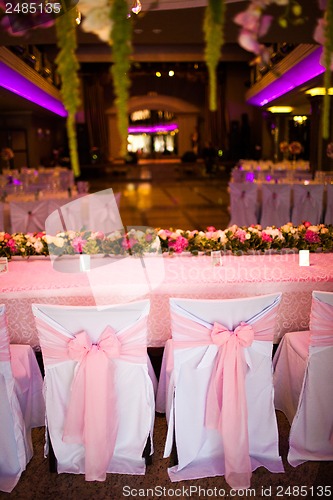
(324, 35)
(67, 66)
(213, 31)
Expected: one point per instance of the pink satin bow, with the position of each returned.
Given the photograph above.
(91, 417)
(226, 408)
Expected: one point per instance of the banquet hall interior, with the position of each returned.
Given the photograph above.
(186, 161)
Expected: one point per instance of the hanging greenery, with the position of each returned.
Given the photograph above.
(121, 37)
(67, 66)
(328, 56)
(213, 31)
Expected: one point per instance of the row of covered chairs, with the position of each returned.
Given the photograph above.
(216, 387)
(280, 203)
(86, 211)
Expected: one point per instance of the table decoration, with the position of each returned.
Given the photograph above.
(304, 258)
(138, 242)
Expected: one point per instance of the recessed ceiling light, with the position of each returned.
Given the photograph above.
(157, 31)
(138, 31)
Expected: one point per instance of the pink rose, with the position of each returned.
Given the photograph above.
(311, 237)
(266, 237)
(78, 244)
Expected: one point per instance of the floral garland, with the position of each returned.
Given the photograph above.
(213, 31)
(234, 239)
(68, 66)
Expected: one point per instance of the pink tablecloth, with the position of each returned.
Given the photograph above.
(32, 280)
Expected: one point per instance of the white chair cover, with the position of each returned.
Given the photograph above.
(329, 204)
(132, 397)
(95, 212)
(275, 204)
(243, 203)
(184, 382)
(308, 203)
(28, 216)
(21, 407)
(103, 211)
(303, 392)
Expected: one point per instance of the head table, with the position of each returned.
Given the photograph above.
(159, 278)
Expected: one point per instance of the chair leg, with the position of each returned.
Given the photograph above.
(174, 455)
(52, 457)
(146, 452)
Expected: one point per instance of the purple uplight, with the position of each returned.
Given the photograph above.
(302, 72)
(151, 129)
(18, 84)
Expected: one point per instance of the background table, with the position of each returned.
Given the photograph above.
(162, 277)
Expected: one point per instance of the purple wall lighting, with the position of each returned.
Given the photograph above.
(18, 84)
(302, 72)
(153, 129)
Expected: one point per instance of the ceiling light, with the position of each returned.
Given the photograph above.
(78, 18)
(280, 109)
(158, 74)
(136, 7)
(171, 72)
(319, 91)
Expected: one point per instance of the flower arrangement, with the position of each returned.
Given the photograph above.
(284, 147)
(234, 239)
(295, 148)
(329, 150)
(7, 154)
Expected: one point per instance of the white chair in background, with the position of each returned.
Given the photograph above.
(28, 216)
(21, 406)
(276, 199)
(303, 384)
(243, 203)
(307, 203)
(99, 396)
(329, 204)
(216, 380)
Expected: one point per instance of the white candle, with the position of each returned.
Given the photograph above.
(84, 263)
(3, 265)
(304, 257)
(216, 258)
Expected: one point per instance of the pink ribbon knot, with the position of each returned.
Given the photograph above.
(91, 417)
(226, 408)
(243, 333)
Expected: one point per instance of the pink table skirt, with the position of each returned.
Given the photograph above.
(122, 280)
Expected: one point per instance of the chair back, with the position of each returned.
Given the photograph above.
(308, 203)
(93, 416)
(329, 204)
(211, 337)
(275, 208)
(28, 216)
(243, 203)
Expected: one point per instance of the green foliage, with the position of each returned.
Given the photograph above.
(328, 53)
(67, 66)
(121, 37)
(214, 38)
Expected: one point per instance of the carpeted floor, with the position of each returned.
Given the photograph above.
(38, 483)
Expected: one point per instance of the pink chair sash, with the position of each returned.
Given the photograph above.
(91, 418)
(226, 406)
(321, 324)
(4, 340)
